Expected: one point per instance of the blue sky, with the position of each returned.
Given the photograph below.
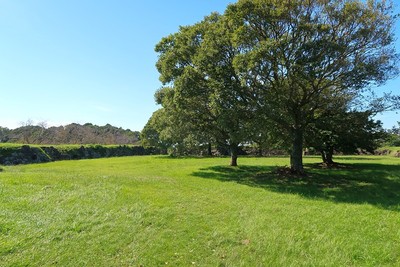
(64, 61)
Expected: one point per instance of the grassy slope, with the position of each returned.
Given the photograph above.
(392, 149)
(154, 211)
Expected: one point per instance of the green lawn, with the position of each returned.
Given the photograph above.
(160, 211)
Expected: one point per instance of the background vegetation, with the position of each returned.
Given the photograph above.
(13, 154)
(70, 134)
(364, 136)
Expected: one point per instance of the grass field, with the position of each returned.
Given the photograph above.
(160, 211)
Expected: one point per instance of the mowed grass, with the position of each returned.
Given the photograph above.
(160, 211)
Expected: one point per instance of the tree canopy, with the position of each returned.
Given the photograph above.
(198, 62)
(284, 64)
(344, 131)
(305, 56)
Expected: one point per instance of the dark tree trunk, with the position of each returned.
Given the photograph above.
(260, 149)
(234, 155)
(323, 155)
(327, 156)
(209, 149)
(296, 154)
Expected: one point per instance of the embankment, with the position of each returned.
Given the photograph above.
(13, 154)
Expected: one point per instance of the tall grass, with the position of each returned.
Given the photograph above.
(153, 211)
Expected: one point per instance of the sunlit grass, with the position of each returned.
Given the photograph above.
(393, 150)
(154, 211)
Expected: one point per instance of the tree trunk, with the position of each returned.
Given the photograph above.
(296, 154)
(234, 155)
(328, 156)
(209, 149)
(329, 159)
(323, 155)
(260, 149)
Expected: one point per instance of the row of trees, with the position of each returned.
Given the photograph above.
(285, 73)
(70, 134)
(347, 132)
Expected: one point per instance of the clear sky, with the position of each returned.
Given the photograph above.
(64, 61)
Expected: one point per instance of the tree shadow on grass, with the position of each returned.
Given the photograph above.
(375, 184)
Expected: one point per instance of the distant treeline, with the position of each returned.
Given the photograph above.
(70, 134)
(13, 154)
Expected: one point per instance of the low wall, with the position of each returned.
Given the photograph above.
(25, 154)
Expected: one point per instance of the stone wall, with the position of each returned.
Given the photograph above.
(26, 154)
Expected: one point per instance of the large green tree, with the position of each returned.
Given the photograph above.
(153, 133)
(202, 88)
(301, 56)
(285, 61)
(165, 131)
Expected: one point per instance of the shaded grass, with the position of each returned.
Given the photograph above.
(155, 211)
(371, 183)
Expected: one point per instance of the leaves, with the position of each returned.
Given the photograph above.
(283, 63)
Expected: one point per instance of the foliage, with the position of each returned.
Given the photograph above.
(167, 133)
(203, 92)
(393, 138)
(13, 154)
(344, 131)
(287, 62)
(305, 56)
(4, 134)
(154, 211)
(153, 133)
(70, 134)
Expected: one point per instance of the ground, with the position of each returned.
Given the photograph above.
(155, 210)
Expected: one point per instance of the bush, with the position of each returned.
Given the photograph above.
(24, 154)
